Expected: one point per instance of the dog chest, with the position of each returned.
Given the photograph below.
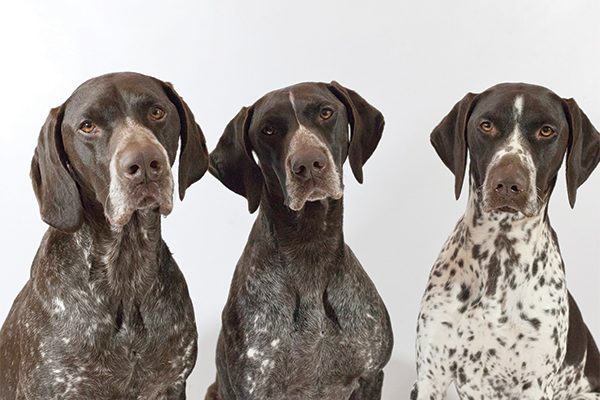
(503, 346)
(501, 313)
(315, 342)
(498, 351)
(80, 348)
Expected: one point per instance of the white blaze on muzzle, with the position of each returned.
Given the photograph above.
(514, 147)
(328, 184)
(121, 202)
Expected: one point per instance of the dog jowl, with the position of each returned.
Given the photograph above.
(106, 313)
(497, 319)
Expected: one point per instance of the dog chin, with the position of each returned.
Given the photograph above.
(297, 203)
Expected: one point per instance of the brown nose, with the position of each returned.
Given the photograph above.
(509, 187)
(309, 162)
(508, 179)
(141, 162)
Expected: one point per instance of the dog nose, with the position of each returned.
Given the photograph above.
(508, 179)
(309, 162)
(509, 187)
(141, 162)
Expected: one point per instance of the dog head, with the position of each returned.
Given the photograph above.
(516, 136)
(115, 139)
(300, 137)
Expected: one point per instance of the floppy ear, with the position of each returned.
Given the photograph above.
(232, 162)
(366, 123)
(583, 153)
(449, 139)
(56, 191)
(193, 156)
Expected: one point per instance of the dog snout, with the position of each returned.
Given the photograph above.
(508, 181)
(142, 162)
(308, 163)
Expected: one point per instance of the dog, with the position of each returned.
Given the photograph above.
(497, 319)
(106, 313)
(303, 320)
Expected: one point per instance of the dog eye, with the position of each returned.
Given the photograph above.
(546, 131)
(486, 126)
(326, 113)
(268, 130)
(157, 113)
(87, 126)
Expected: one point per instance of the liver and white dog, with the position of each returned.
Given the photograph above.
(497, 319)
(106, 313)
(303, 319)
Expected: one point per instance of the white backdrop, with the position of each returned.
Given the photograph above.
(411, 59)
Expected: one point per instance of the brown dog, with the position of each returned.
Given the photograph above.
(303, 319)
(106, 313)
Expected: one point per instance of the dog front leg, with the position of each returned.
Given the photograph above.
(434, 370)
(431, 385)
(433, 376)
(369, 389)
(212, 393)
(175, 392)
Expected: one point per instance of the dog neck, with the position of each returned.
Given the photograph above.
(314, 231)
(499, 244)
(123, 262)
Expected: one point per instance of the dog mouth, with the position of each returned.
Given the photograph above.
(147, 196)
(316, 195)
(152, 196)
(311, 191)
(507, 209)
(497, 205)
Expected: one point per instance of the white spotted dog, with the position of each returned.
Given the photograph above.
(497, 319)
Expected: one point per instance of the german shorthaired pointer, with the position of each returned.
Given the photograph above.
(497, 318)
(303, 319)
(106, 313)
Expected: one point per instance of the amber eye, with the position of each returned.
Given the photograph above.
(326, 113)
(157, 113)
(87, 126)
(546, 131)
(486, 126)
(268, 130)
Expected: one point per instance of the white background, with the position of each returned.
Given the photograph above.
(411, 59)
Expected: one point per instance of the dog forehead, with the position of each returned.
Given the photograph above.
(512, 89)
(518, 100)
(310, 91)
(113, 92)
(293, 97)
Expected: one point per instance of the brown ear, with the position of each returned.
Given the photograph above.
(56, 191)
(193, 156)
(449, 140)
(366, 123)
(583, 153)
(232, 162)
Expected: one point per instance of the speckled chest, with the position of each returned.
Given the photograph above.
(500, 302)
(81, 348)
(315, 344)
